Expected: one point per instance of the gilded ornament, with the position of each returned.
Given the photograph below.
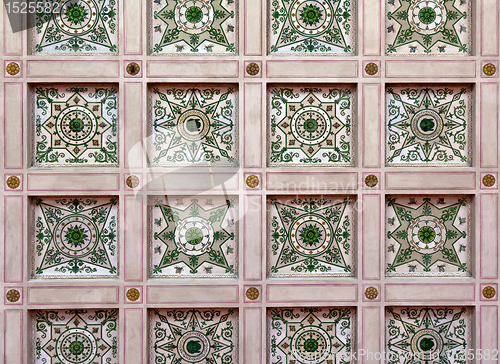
(12, 68)
(371, 69)
(252, 293)
(13, 182)
(371, 180)
(252, 181)
(132, 181)
(133, 68)
(133, 294)
(13, 295)
(371, 293)
(489, 292)
(489, 69)
(489, 180)
(253, 69)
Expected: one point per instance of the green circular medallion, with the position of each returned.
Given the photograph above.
(194, 14)
(427, 15)
(76, 125)
(311, 345)
(76, 14)
(426, 344)
(427, 124)
(76, 348)
(426, 234)
(194, 235)
(310, 235)
(311, 125)
(311, 15)
(75, 236)
(193, 347)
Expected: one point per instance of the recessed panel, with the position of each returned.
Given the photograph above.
(428, 236)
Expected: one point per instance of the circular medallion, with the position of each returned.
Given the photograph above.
(252, 181)
(427, 344)
(253, 69)
(427, 124)
(371, 293)
(311, 17)
(489, 69)
(311, 345)
(77, 17)
(133, 68)
(13, 182)
(133, 294)
(427, 16)
(252, 293)
(12, 68)
(132, 181)
(193, 125)
(311, 125)
(76, 125)
(488, 180)
(194, 16)
(194, 236)
(76, 346)
(193, 346)
(488, 292)
(426, 234)
(371, 68)
(13, 295)
(311, 235)
(371, 180)
(76, 236)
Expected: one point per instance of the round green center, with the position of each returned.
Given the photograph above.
(194, 124)
(311, 15)
(427, 15)
(427, 124)
(75, 236)
(311, 345)
(426, 344)
(76, 14)
(311, 125)
(426, 234)
(194, 235)
(76, 348)
(76, 125)
(193, 347)
(194, 14)
(310, 235)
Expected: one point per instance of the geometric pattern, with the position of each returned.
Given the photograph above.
(76, 27)
(75, 237)
(193, 336)
(429, 125)
(428, 236)
(193, 237)
(428, 27)
(75, 126)
(311, 126)
(312, 27)
(191, 27)
(75, 336)
(311, 335)
(193, 126)
(310, 237)
(428, 335)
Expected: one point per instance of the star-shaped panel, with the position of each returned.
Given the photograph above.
(310, 236)
(428, 335)
(75, 336)
(429, 125)
(311, 126)
(75, 27)
(428, 27)
(193, 126)
(75, 126)
(311, 335)
(193, 27)
(312, 27)
(428, 236)
(75, 237)
(193, 237)
(193, 336)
